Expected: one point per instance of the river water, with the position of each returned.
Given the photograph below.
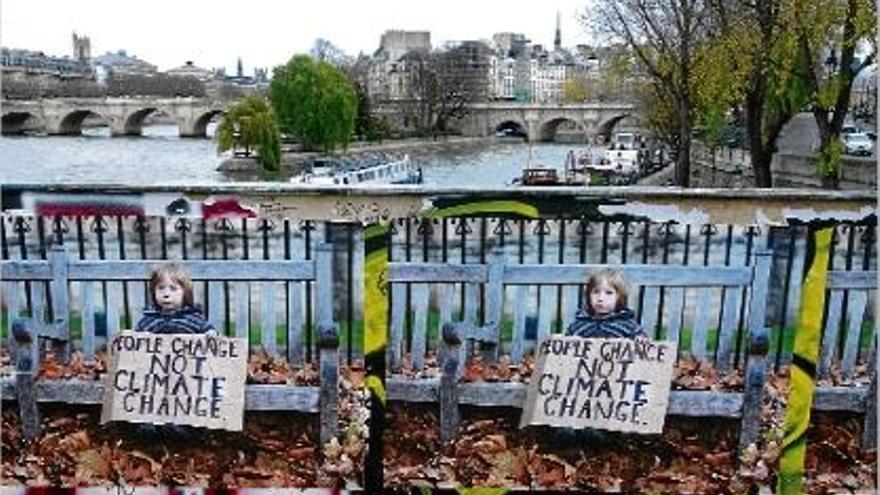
(161, 157)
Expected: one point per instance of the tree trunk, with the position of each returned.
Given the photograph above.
(761, 158)
(683, 159)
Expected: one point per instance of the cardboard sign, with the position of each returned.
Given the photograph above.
(612, 384)
(176, 378)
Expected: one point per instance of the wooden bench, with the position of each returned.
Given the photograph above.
(40, 280)
(655, 282)
(856, 287)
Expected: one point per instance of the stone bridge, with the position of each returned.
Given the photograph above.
(542, 121)
(124, 116)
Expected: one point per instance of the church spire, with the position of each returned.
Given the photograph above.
(557, 41)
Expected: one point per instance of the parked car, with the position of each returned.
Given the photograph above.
(848, 129)
(858, 143)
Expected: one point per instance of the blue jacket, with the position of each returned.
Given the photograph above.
(187, 319)
(621, 324)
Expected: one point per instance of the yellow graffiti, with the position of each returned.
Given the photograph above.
(376, 387)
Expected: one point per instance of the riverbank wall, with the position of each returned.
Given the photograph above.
(293, 160)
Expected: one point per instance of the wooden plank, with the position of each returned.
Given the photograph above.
(858, 300)
(11, 294)
(259, 270)
(840, 399)
(852, 279)
(569, 305)
(509, 394)
(113, 304)
(650, 309)
(398, 313)
(267, 317)
(408, 390)
(701, 324)
(760, 290)
(420, 295)
(25, 270)
(647, 275)
(323, 285)
(59, 290)
(832, 330)
(869, 425)
(87, 296)
(216, 305)
(446, 298)
(471, 303)
(727, 333)
(437, 272)
(494, 304)
(241, 291)
(257, 397)
(295, 319)
(674, 303)
(38, 301)
(546, 310)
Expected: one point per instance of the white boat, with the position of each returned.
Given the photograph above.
(366, 172)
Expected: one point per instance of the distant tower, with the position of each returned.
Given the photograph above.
(82, 49)
(557, 41)
(240, 71)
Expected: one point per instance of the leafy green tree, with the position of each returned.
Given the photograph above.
(251, 124)
(315, 102)
(826, 30)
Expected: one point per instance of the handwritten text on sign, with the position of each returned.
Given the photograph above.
(613, 384)
(176, 378)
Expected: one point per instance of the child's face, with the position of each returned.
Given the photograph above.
(603, 298)
(169, 294)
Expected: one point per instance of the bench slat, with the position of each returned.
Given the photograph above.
(650, 309)
(858, 300)
(267, 317)
(647, 275)
(114, 300)
(198, 270)
(546, 310)
(420, 295)
(216, 311)
(242, 309)
(517, 347)
(256, 397)
(398, 309)
(295, 321)
(832, 330)
(87, 291)
(852, 279)
(674, 303)
(25, 270)
(38, 300)
(727, 333)
(437, 272)
(11, 294)
(701, 324)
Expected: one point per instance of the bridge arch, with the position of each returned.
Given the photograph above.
(133, 124)
(510, 127)
(19, 122)
(606, 127)
(198, 127)
(71, 122)
(549, 127)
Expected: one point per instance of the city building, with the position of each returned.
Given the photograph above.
(189, 69)
(390, 67)
(120, 62)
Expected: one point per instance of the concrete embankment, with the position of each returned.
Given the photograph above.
(293, 160)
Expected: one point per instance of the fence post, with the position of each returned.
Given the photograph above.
(25, 354)
(328, 342)
(756, 368)
(449, 363)
(494, 308)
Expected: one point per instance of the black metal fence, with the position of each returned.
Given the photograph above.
(453, 240)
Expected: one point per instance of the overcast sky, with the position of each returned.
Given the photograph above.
(266, 33)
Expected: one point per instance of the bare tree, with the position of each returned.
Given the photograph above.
(325, 51)
(443, 84)
(663, 35)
